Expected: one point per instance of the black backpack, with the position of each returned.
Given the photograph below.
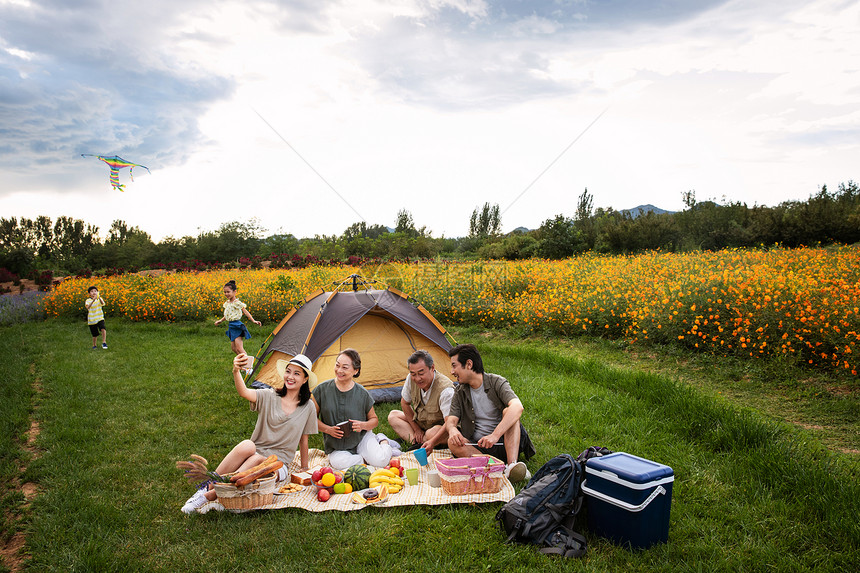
(544, 511)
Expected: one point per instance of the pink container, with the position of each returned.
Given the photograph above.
(477, 474)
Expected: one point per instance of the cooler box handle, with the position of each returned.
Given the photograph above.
(659, 490)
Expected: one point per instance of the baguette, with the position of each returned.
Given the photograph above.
(264, 471)
(236, 477)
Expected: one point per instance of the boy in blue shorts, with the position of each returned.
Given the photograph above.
(96, 316)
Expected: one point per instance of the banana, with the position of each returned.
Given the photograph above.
(386, 479)
(382, 472)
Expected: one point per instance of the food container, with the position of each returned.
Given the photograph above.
(477, 474)
(252, 496)
(628, 499)
(330, 488)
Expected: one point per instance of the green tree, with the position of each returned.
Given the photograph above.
(73, 240)
(230, 242)
(557, 238)
(583, 222)
(405, 224)
(125, 247)
(514, 246)
(172, 250)
(486, 223)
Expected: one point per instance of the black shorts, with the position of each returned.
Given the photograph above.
(498, 451)
(97, 327)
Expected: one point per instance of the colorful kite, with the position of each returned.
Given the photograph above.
(116, 163)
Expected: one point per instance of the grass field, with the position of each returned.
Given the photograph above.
(751, 493)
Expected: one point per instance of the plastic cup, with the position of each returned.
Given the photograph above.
(434, 479)
(412, 476)
(421, 456)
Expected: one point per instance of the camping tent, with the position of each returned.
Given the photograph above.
(381, 324)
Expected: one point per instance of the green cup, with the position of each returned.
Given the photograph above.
(412, 476)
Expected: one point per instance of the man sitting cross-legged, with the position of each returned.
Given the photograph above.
(425, 401)
(485, 414)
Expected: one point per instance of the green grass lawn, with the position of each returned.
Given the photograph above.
(752, 493)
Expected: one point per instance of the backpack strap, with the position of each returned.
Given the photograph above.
(565, 543)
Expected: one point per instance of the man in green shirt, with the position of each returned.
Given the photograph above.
(485, 414)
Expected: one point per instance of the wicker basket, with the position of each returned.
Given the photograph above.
(256, 494)
(477, 474)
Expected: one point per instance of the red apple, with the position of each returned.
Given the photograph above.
(394, 463)
(325, 470)
(323, 495)
(338, 478)
(317, 475)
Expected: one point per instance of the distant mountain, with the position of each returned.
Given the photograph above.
(643, 209)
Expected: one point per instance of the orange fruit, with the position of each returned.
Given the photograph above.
(327, 480)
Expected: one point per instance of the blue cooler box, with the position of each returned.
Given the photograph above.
(628, 499)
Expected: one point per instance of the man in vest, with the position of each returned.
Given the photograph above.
(485, 415)
(425, 401)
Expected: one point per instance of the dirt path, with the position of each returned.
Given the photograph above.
(12, 551)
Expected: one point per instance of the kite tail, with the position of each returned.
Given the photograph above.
(114, 179)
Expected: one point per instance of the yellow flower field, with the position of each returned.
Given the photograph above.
(802, 304)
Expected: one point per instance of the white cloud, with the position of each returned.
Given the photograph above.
(430, 105)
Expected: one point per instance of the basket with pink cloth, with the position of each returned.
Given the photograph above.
(477, 474)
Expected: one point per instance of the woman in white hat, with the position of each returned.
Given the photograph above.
(286, 417)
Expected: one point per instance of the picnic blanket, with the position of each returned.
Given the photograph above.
(420, 494)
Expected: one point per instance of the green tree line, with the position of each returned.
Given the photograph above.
(825, 218)
(70, 246)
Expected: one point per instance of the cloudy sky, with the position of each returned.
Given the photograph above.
(311, 115)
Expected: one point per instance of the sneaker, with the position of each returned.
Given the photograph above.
(516, 472)
(195, 501)
(395, 448)
(104, 346)
(94, 346)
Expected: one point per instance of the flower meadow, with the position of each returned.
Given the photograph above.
(802, 305)
(21, 308)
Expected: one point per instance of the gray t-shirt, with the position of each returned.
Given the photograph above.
(277, 433)
(487, 416)
(336, 407)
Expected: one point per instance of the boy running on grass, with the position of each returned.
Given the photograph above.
(96, 316)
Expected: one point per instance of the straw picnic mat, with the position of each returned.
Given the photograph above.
(421, 494)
